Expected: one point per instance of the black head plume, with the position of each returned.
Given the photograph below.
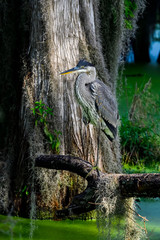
(84, 63)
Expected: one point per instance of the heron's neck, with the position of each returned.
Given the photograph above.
(89, 77)
(92, 74)
(81, 89)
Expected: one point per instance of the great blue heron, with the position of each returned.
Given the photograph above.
(97, 101)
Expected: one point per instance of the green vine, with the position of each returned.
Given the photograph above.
(130, 7)
(42, 113)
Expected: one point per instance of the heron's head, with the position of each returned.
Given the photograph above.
(82, 66)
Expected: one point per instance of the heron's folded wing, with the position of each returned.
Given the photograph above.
(105, 103)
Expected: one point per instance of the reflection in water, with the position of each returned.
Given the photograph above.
(130, 56)
(154, 49)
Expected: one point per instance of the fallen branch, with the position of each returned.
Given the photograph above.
(140, 185)
(129, 185)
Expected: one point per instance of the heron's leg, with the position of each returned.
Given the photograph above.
(98, 144)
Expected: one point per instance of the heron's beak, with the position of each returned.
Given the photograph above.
(75, 69)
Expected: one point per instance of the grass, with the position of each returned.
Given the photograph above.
(140, 138)
(141, 168)
(140, 74)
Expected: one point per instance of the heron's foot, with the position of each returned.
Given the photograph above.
(94, 168)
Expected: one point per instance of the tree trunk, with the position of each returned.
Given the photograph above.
(62, 32)
(73, 33)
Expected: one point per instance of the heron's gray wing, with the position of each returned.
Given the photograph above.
(105, 104)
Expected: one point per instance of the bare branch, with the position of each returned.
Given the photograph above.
(140, 185)
(129, 185)
(69, 163)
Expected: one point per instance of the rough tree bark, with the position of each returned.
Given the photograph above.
(128, 185)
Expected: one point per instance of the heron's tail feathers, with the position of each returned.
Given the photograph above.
(110, 131)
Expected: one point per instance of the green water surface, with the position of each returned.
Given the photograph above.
(150, 208)
(14, 228)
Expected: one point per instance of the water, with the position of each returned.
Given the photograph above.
(14, 228)
(154, 51)
(130, 56)
(150, 208)
(47, 230)
(154, 48)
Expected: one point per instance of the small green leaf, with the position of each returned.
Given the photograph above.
(51, 137)
(36, 123)
(50, 109)
(27, 193)
(41, 110)
(41, 120)
(23, 190)
(34, 111)
(57, 144)
(53, 145)
(46, 131)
